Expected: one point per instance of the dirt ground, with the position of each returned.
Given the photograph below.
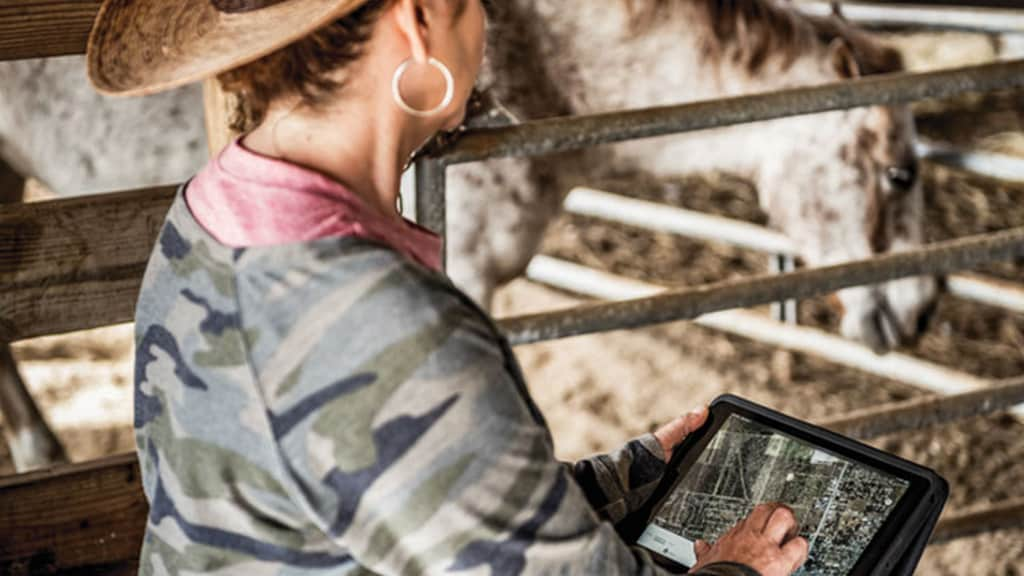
(598, 391)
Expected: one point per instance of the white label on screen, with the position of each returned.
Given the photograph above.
(672, 546)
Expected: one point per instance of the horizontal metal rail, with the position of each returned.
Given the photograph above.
(936, 259)
(905, 15)
(574, 133)
(987, 164)
(930, 411)
(689, 223)
(893, 365)
(658, 217)
(979, 520)
(988, 291)
(1008, 4)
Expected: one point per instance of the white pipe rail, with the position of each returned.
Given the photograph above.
(990, 291)
(987, 164)
(991, 20)
(893, 365)
(664, 218)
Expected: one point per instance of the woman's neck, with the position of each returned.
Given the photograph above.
(363, 143)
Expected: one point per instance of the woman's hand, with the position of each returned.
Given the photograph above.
(766, 541)
(672, 434)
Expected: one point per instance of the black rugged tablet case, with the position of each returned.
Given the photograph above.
(907, 563)
(901, 557)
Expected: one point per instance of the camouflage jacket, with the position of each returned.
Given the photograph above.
(329, 407)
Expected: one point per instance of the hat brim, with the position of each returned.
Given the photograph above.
(140, 47)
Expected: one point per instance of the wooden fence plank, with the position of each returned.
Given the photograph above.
(90, 519)
(44, 28)
(78, 519)
(75, 263)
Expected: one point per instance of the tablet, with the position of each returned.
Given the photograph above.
(860, 509)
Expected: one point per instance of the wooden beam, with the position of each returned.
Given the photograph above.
(79, 519)
(75, 263)
(44, 28)
(90, 519)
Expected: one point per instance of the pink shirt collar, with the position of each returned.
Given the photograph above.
(245, 199)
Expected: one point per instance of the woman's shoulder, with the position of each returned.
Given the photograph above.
(355, 309)
(365, 291)
(343, 269)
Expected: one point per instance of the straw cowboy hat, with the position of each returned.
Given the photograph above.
(145, 46)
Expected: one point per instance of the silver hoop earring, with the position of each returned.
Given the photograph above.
(449, 89)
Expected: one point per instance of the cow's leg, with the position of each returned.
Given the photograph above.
(30, 440)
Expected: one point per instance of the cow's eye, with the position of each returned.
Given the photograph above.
(902, 178)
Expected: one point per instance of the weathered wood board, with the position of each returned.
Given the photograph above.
(75, 263)
(44, 28)
(78, 519)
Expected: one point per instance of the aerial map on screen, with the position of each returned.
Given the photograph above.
(840, 504)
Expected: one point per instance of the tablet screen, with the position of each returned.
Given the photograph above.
(840, 504)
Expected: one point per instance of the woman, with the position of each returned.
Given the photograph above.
(312, 395)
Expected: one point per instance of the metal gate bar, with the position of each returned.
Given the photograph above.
(430, 195)
(685, 304)
(917, 16)
(754, 326)
(979, 162)
(978, 520)
(1010, 4)
(929, 411)
(657, 217)
(574, 133)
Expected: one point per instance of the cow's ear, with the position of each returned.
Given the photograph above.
(843, 59)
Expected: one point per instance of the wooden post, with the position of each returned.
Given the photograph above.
(218, 107)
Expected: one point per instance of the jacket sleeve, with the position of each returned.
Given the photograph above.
(415, 448)
(618, 483)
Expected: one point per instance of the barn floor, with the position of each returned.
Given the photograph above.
(597, 391)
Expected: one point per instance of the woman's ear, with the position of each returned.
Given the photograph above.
(408, 15)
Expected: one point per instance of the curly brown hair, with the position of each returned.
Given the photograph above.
(302, 68)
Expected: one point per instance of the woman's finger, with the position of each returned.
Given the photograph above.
(782, 525)
(695, 419)
(796, 551)
(759, 516)
(700, 548)
(671, 434)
